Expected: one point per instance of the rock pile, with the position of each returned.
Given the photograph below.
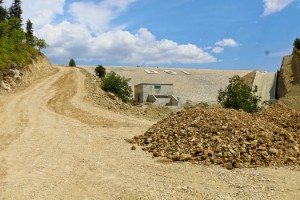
(230, 138)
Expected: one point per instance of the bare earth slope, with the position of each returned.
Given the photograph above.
(200, 85)
(55, 145)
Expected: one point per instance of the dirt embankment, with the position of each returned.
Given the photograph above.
(102, 99)
(37, 68)
(288, 89)
(20, 77)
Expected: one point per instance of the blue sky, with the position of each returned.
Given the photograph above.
(218, 34)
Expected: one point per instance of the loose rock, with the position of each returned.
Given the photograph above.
(230, 138)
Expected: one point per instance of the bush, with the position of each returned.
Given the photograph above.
(100, 71)
(117, 85)
(72, 63)
(297, 43)
(238, 95)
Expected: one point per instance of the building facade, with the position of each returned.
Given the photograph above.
(155, 93)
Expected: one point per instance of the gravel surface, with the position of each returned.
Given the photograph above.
(230, 138)
(55, 144)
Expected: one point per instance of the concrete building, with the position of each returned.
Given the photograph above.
(155, 93)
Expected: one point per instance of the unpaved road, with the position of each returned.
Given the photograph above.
(55, 145)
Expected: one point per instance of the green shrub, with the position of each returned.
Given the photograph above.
(72, 63)
(297, 43)
(100, 71)
(118, 85)
(238, 95)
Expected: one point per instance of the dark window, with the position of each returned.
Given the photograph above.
(157, 87)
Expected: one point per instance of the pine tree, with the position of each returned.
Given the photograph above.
(72, 63)
(15, 11)
(3, 12)
(29, 32)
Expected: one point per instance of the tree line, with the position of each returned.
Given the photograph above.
(17, 46)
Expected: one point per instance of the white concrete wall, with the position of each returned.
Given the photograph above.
(143, 91)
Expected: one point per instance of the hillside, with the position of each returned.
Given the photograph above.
(36, 68)
(288, 90)
(201, 85)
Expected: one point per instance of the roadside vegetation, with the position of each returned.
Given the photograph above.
(114, 83)
(100, 71)
(17, 46)
(297, 43)
(238, 95)
(72, 63)
(117, 85)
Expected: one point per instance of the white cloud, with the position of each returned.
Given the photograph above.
(227, 43)
(40, 12)
(71, 40)
(273, 6)
(97, 16)
(217, 50)
(90, 36)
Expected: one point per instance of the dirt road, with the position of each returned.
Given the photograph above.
(55, 145)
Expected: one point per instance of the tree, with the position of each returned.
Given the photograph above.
(100, 71)
(15, 11)
(297, 43)
(13, 49)
(238, 95)
(72, 63)
(39, 43)
(29, 33)
(3, 12)
(118, 85)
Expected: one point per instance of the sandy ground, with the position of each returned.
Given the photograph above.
(200, 85)
(55, 145)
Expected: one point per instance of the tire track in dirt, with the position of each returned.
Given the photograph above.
(62, 103)
(61, 153)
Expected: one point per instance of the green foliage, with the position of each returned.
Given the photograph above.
(39, 43)
(118, 85)
(238, 95)
(29, 33)
(15, 9)
(14, 24)
(72, 63)
(3, 12)
(14, 45)
(15, 12)
(100, 71)
(297, 43)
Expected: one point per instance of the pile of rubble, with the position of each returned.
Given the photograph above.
(230, 138)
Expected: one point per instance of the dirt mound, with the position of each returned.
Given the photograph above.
(284, 117)
(230, 138)
(22, 76)
(103, 99)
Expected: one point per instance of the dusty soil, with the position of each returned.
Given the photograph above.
(55, 144)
